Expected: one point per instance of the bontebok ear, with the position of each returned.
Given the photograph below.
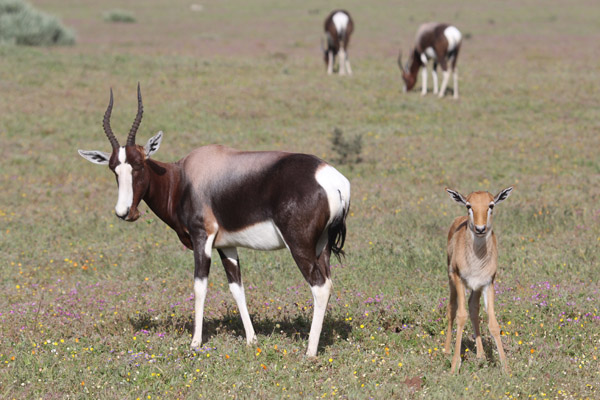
(503, 195)
(153, 144)
(95, 156)
(457, 197)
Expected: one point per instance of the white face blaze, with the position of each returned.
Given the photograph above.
(125, 182)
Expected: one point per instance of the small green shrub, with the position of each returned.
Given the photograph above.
(348, 150)
(22, 24)
(119, 16)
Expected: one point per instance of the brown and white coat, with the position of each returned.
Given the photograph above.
(338, 29)
(440, 43)
(218, 197)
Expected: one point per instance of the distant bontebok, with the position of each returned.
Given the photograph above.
(338, 29)
(472, 264)
(218, 197)
(437, 42)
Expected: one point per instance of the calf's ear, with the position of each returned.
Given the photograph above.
(457, 197)
(503, 195)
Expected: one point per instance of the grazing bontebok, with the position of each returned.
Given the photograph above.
(472, 264)
(338, 29)
(440, 43)
(218, 197)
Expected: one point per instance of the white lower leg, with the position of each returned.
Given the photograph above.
(434, 76)
(342, 62)
(424, 75)
(455, 76)
(320, 297)
(348, 66)
(329, 62)
(445, 78)
(200, 287)
(240, 298)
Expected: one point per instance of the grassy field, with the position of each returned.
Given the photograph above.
(94, 307)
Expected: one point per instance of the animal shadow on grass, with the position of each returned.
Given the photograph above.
(468, 343)
(298, 328)
(449, 91)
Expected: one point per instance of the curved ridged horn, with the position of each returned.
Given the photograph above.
(400, 61)
(106, 124)
(137, 121)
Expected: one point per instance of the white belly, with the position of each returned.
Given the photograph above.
(430, 53)
(261, 236)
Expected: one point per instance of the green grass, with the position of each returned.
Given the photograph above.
(94, 307)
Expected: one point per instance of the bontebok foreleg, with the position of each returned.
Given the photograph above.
(202, 256)
(229, 257)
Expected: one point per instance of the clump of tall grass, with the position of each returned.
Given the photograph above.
(22, 24)
(348, 150)
(117, 15)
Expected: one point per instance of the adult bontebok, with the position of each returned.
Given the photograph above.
(437, 42)
(218, 197)
(338, 29)
(472, 264)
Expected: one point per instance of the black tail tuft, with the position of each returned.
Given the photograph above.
(337, 235)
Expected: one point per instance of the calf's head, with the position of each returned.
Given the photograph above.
(128, 163)
(480, 207)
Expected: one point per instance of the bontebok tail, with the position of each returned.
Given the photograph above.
(337, 233)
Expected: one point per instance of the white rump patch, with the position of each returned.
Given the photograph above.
(261, 236)
(340, 20)
(453, 36)
(337, 188)
(125, 180)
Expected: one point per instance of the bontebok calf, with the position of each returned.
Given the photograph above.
(472, 264)
(218, 197)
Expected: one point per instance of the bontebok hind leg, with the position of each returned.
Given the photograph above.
(229, 257)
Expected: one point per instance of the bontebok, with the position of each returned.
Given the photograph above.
(338, 30)
(437, 42)
(472, 264)
(218, 197)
